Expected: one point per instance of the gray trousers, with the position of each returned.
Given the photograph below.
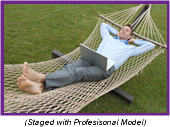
(78, 71)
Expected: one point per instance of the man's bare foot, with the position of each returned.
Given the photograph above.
(29, 86)
(31, 75)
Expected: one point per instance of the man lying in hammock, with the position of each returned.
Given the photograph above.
(115, 48)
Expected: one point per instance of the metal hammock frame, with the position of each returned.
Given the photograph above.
(73, 98)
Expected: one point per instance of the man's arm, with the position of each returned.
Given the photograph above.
(106, 29)
(145, 46)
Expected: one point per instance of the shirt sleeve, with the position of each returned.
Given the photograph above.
(106, 29)
(145, 46)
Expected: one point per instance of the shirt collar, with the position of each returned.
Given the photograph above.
(123, 41)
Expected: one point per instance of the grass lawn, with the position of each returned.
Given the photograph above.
(33, 31)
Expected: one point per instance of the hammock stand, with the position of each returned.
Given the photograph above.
(73, 98)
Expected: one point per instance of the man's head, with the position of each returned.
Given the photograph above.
(126, 32)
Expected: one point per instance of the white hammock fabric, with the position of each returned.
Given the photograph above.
(73, 98)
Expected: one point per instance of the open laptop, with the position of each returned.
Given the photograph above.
(96, 58)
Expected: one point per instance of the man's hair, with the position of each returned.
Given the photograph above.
(130, 28)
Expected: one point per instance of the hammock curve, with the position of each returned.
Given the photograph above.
(73, 98)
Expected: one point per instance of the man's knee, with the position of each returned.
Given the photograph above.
(110, 72)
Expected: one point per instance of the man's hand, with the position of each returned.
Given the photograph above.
(131, 40)
(117, 34)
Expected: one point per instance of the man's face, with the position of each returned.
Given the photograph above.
(124, 33)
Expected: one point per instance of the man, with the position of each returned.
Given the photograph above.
(115, 48)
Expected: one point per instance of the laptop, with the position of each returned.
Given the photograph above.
(96, 58)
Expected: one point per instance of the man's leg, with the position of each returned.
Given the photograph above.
(85, 72)
(79, 71)
(32, 82)
(65, 76)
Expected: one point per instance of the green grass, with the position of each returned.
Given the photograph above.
(32, 32)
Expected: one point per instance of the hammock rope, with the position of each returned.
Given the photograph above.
(73, 98)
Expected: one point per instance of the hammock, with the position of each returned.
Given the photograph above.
(73, 98)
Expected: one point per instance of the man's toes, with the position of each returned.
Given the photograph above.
(26, 65)
(24, 85)
(25, 74)
(23, 78)
(25, 68)
(18, 79)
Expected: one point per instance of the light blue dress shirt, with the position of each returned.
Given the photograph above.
(119, 50)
